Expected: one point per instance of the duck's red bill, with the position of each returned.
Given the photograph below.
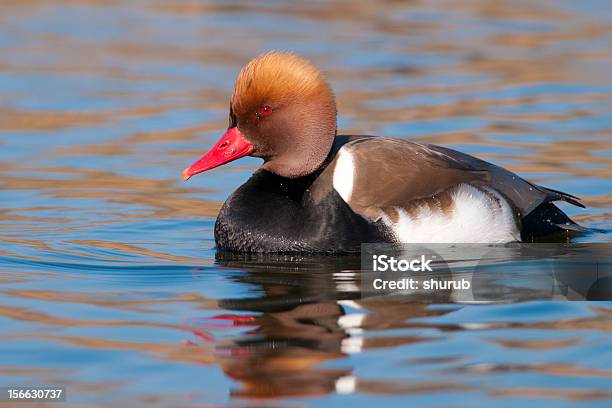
(230, 147)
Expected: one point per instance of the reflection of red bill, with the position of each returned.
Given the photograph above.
(238, 320)
(204, 336)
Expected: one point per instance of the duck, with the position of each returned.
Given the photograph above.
(320, 192)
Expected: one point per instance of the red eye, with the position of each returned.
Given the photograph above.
(265, 110)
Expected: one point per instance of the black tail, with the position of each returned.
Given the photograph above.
(547, 220)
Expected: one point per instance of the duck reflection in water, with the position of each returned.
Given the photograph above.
(299, 322)
(309, 310)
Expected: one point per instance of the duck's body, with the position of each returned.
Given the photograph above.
(347, 202)
(318, 192)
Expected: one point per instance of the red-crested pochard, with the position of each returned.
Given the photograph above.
(320, 192)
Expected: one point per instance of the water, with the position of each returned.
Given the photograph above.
(110, 284)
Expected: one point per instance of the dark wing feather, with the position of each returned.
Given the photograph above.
(555, 195)
(525, 195)
(395, 173)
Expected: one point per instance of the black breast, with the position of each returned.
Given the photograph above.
(270, 213)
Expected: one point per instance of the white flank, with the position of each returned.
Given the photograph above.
(344, 174)
(476, 217)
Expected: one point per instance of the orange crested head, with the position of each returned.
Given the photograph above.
(283, 111)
